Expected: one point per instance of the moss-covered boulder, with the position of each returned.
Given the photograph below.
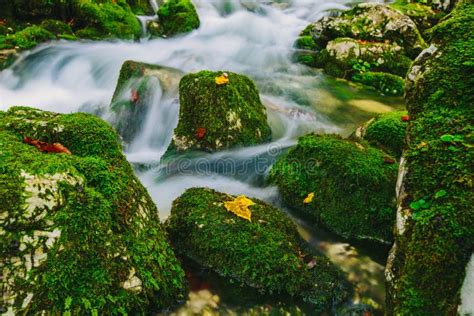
(265, 253)
(137, 85)
(216, 116)
(434, 236)
(34, 22)
(176, 17)
(347, 186)
(386, 131)
(141, 7)
(79, 233)
(424, 14)
(363, 44)
(371, 22)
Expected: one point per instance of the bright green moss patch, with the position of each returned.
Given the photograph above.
(388, 132)
(386, 83)
(352, 183)
(214, 117)
(27, 38)
(177, 16)
(264, 253)
(434, 244)
(80, 234)
(109, 19)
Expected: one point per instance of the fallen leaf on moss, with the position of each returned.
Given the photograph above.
(388, 160)
(405, 118)
(200, 133)
(240, 207)
(134, 97)
(222, 79)
(421, 145)
(309, 198)
(47, 147)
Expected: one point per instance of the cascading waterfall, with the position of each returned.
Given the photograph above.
(249, 37)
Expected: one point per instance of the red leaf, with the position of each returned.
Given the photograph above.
(405, 118)
(200, 133)
(388, 160)
(134, 97)
(46, 147)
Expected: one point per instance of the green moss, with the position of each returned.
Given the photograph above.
(56, 27)
(388, 132)
(231, 114)
(141, 7)
(265, 253)
(386, 83)
(177, 16)
(354, 189)
(437, 242)
(305, 42)
(26, 38)
(421, 13)
(109, 19)
(84, 218)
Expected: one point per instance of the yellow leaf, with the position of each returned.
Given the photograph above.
(222, 79)
(309, 198)
(240, 207)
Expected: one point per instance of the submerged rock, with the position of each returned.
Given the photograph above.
(176, 17)
(79, 233)
(264, 253)
(386, 131)
(138, 83)
(434, 235)
(349, 187)
(215, 116)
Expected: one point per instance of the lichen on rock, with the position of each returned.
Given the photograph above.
(353, 185)
(74, 226)
(214, 117)
(265, 253)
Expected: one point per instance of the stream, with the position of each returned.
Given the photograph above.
(254, 38)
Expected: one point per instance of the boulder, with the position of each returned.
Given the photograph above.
(176, 17)
(434, 235)
(80, 234)
(371, 22)
(373, 44)
(347, 186)
(386, 131)
(215, 116)
(137, 84)
(264, 252)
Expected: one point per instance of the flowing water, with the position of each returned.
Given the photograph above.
(250, 37)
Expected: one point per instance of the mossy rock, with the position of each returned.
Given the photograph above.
(423, 14)
(434, 236)
(57, 27)
(214, 117)
(386, 83)
(80, 234)
(177, 16)
(27, 38)
(344, 57)
(353, 186)
(386, 131)
(105, 19)
(372, 22)
(137, 84)
(265, 253)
